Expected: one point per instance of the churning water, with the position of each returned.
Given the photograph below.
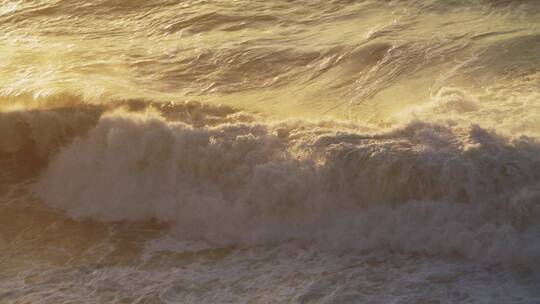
(222, 151)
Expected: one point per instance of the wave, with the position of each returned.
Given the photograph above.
(214, 173)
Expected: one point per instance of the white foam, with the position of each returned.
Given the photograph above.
(420, 187)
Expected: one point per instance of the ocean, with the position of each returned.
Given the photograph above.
(247, 151)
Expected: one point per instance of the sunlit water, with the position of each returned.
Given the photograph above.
(269, 151)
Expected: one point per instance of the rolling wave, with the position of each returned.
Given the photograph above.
(218, 174)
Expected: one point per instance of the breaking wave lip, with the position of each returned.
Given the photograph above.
(224, 176)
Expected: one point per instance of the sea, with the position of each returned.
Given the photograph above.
(278, 151)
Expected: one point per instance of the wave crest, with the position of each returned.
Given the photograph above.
(421, 187)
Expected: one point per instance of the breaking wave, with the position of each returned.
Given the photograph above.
(213, 173)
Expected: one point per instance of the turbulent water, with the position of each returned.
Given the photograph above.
(169, 151)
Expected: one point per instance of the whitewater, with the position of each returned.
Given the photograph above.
(269, 152)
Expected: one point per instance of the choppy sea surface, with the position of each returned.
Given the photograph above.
(275, 151)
